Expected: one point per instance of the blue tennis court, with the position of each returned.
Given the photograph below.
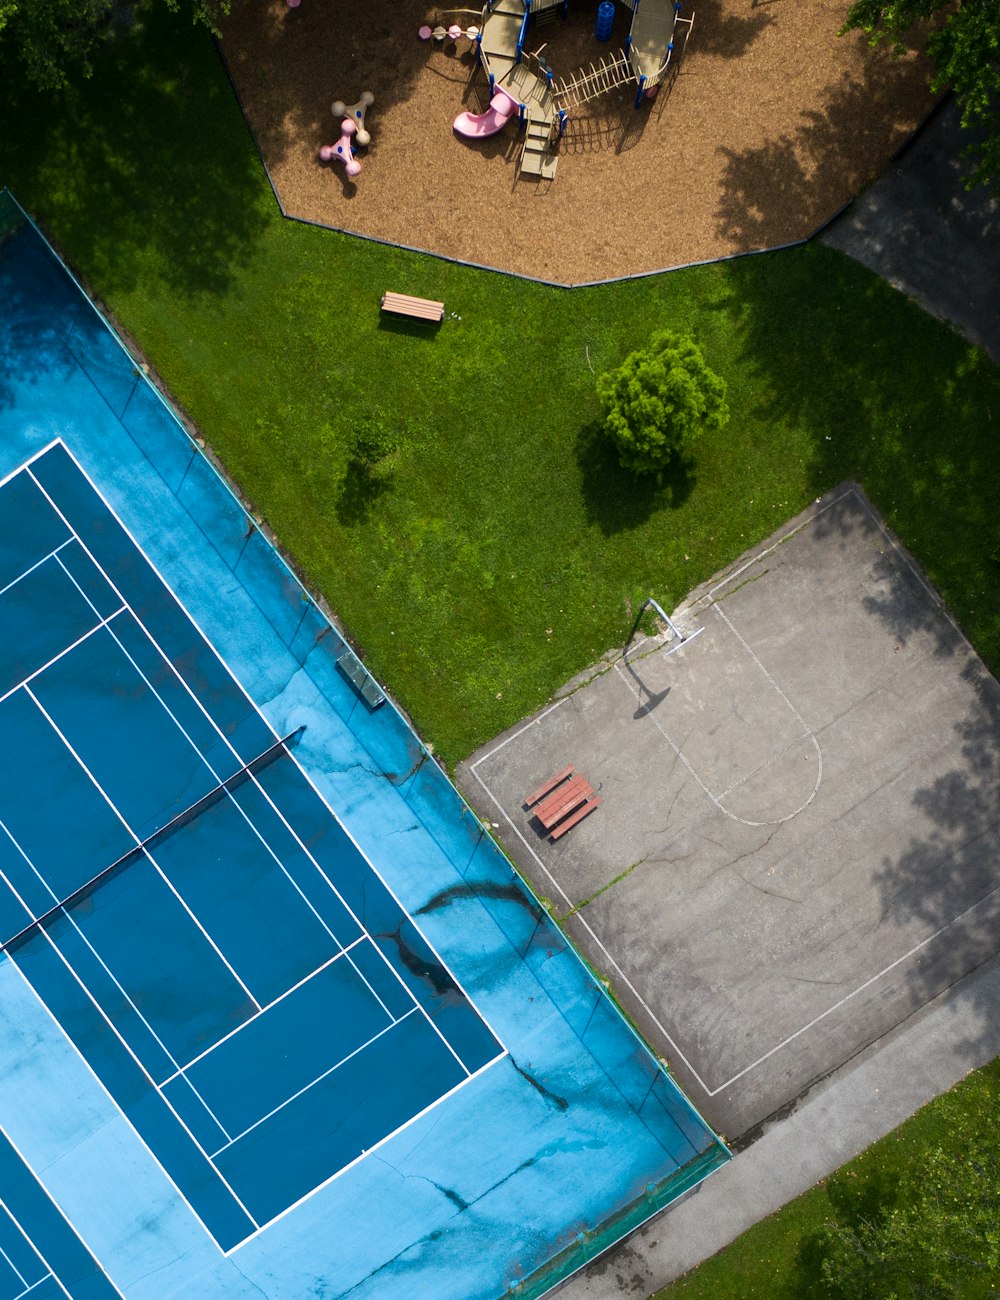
(194, 917)
(276, 1015)
(25, 1273)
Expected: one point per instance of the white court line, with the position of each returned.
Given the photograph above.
(13, 1267)
(462, 1083)
(139, 845)
(58, 1209)
(307, 777)
(23, 1295)
(27, 1286)
(362, 928)
(62, 653)
(245, 694)
(717, 799)
(216, 773)
(96, 955)
(52, 555)
(893, 543)
(92, 1071)
(110, 974)
(280, 998)
(241, 690)
(580, 919)
(313, 1082)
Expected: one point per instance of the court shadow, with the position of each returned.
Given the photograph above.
(915, 424)
(648, 700)
(946, 878)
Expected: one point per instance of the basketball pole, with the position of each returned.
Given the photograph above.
(675, 631)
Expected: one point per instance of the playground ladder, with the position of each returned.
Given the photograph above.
(612, 71)
(536, 160)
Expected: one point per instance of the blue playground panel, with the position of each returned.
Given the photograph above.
(275, 1014)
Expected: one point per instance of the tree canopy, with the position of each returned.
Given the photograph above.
(659, 401)
(965, 48)
(940, 1239)
(56, 39)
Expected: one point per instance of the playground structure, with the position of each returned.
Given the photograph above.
(352, 127)
(544, 102)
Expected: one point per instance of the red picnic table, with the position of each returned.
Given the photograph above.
(562, 801)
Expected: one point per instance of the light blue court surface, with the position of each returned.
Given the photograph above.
(276, 1017)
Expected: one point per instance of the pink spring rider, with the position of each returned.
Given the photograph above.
(342, 150)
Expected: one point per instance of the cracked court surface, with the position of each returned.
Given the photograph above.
(797, 841)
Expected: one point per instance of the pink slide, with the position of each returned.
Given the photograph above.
(473, 125)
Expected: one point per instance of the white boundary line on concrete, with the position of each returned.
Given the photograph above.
(717, 798)
(578, 916)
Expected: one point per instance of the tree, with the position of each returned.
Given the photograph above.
(53, 39)
(659, 402)
(965, 49)
(941, 1237)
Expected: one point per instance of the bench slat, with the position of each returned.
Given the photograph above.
(547, 786)
(578, 816)
(557, 805)
(404, 304)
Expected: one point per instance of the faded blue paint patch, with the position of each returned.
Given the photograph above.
(577, 1128)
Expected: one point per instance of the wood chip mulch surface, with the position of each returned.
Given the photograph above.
(770, 124)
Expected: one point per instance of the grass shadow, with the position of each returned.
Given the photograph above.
(876, 416)
(615, 499)
(170, 170)
(361, 489)
(414, 329)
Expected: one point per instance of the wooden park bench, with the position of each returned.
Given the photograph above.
(403, 304)
(563, 801)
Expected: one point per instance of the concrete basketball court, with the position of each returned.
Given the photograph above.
(797, 844)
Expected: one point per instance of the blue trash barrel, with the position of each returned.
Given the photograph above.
(605, 20)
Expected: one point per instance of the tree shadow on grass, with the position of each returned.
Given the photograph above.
(856, 1197)
(361, 489)
(615, 499)
(147, 162)
(885, 396)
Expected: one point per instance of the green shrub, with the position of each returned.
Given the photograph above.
(372, 442)
(660, 401)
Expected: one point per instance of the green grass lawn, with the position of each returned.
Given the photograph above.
(501, 549)
(781, 1258)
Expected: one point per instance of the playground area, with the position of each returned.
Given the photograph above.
(765, 125)
(797, 840)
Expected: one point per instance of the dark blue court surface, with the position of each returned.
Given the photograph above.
(276, 1017)
(263, 1012)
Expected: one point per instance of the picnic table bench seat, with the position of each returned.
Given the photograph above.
(577, 816)
(548, 786)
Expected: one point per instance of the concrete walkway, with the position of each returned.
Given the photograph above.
(920, 229)
(864, 1100)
